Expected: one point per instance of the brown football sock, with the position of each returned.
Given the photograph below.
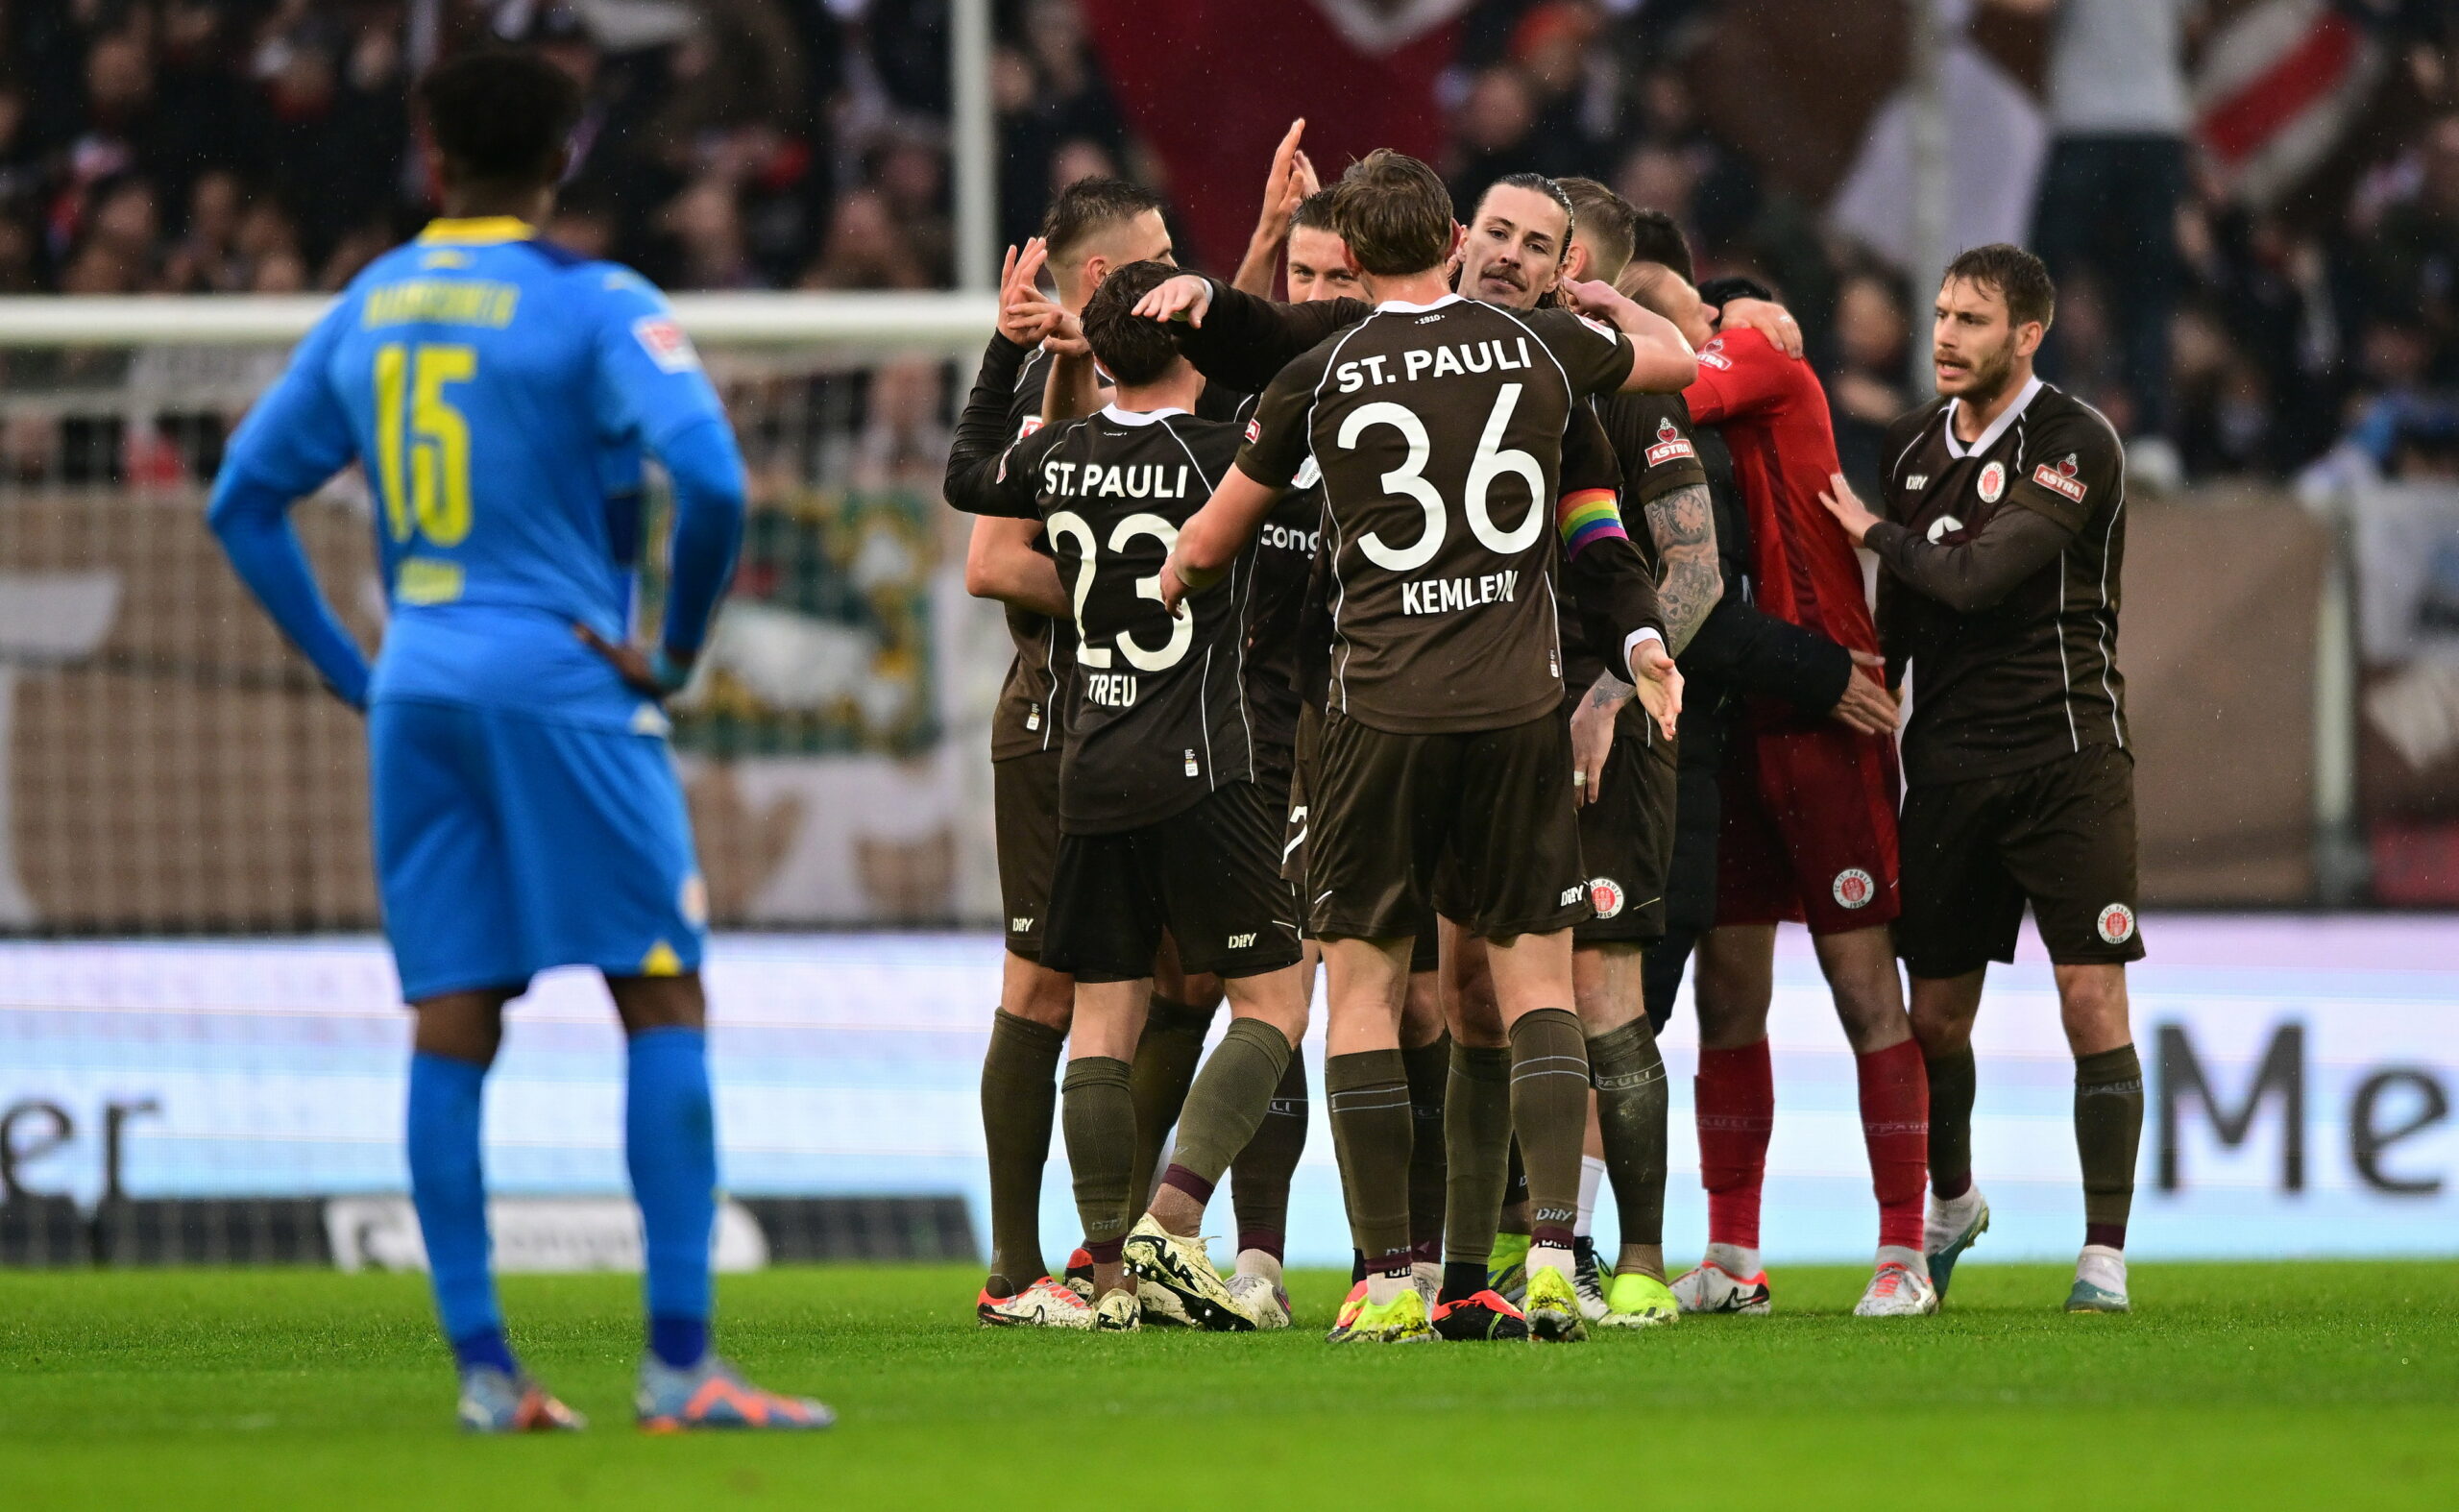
(2108, 1127)
(1476, 1135)
(1631, 1099)
(1098, 1114)
(1369, 1093)
(1953, 1080)
(1020, 1099)
(1260, 1178)
(1430, 1072)
(1166, 1056)
(1549, 1113)
(1226, 1105)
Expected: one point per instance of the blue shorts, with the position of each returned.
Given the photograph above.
(506, 844)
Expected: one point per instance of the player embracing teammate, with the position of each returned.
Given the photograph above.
(2004, 541)
(1443, 772)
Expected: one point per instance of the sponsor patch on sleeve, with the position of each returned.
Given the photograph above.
(1671, 446)
(1031, 424)
(1255, 431)
(1712, 354)
(1599, 326)
(2063, 483)
(665, 344)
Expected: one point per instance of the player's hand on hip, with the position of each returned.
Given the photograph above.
(1847, 508)
(1592, 735)
(1185, 297)
(1658, 683)
(1866, 706)
(652, 675)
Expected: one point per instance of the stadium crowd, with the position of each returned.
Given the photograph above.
(186, 147)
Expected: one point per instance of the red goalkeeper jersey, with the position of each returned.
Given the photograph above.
(1773, 415)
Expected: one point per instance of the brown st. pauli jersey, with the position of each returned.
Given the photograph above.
(2034, 677)
(1159, 716)
(1438, 431)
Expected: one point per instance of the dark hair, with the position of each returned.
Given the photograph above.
(500, 114)
(2013, 274)
(1090, 205)
(1131, 349)
(1539, 183)
(1723, 291)
(1656, 238)
(1605, 220)
(1314, 213)
(1394, 213)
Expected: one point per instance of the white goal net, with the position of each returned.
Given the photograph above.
(168, 766)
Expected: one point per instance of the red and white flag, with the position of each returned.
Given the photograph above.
(2278, 87)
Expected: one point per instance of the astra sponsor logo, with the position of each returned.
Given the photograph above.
(1669, 447)
(1467, 356)
(1444, 594)
(2061, 479)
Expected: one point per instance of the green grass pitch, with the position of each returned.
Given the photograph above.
(2277, 1385)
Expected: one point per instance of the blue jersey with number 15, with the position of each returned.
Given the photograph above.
(488, 384)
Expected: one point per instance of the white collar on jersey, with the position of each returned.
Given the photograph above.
(1135, 417)
(1997, 427)
(1405, 308)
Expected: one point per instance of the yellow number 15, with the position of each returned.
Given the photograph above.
(413, 417)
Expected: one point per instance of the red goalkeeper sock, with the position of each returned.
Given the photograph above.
(1735, 1096)
(1896, 1127)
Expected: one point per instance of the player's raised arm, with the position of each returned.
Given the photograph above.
(1661, 361)
(296, 438)
(1286, 186)
(1967, 575)
(1237, 339)
(650, 379)
(1215, 534)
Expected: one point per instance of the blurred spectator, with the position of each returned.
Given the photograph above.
(1867, 390)
(864, 251)
(2109, 195)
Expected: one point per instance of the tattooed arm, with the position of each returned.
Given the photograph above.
(1689, 583)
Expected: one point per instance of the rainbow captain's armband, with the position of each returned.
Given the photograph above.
(1588, 516)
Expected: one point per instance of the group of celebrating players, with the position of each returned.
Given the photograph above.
(1486, 626)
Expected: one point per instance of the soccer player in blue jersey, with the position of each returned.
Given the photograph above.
(526, 811)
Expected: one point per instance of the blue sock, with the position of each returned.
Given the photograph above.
(450, 1190)
(671, 1143)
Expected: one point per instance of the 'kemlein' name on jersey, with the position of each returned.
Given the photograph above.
(1467, 356)
(1128, 480)
(1443, 595)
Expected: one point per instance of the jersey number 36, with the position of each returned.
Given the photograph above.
(1493, 460)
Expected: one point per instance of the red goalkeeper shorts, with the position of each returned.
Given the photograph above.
(1807, 830)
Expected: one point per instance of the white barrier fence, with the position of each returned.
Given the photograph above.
(2299, 1072)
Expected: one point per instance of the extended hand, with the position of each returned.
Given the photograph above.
(1770, 320)
(1185, 297)
(1847, 508)
(1024, 314)
(1659, 684)
(1866, 706)
(1291, 181)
